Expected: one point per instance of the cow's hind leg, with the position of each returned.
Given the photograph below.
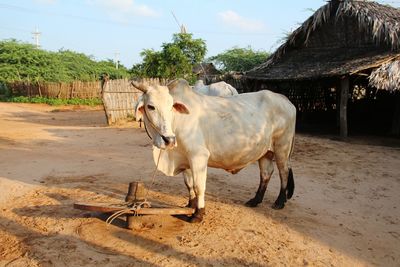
(266, 169)
(188, 178)
(287, 182)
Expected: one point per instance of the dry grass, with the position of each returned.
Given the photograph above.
(387, 76)
(382, 21)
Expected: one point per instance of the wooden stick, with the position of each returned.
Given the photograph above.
(107, 208)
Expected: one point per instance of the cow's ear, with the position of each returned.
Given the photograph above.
(139, 109)
(181, 108)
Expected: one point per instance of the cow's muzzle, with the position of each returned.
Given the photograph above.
(170, 141)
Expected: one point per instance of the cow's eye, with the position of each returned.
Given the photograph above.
(150, 107)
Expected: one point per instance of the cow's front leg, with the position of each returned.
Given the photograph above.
(198, 165)
(188, 177)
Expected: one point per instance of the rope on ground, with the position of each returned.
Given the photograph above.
(131, 210)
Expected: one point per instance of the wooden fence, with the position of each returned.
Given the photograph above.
(120, 98)
(76, 89)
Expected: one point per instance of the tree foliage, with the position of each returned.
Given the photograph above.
(23, 62)
(175, 60)
(239, 59)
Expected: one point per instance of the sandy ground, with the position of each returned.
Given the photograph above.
(345, 211)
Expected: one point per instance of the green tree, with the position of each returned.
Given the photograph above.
(175, 60)
(108, 67)
(239, 59)
(151, 65)
(24, 62)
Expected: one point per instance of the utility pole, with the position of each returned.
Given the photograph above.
(116, 59)
(36, 36)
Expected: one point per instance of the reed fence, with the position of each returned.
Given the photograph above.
(120, 98)
(76, 89)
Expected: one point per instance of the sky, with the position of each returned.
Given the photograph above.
(110, 29)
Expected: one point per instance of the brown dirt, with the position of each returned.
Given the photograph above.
(345, 211)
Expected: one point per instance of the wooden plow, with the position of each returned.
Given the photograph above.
(135, 204)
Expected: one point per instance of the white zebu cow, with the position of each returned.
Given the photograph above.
(215, 89)
(191, 132)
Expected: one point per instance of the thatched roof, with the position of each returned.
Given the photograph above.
(342, 37)
(387, 76)
(205, 69)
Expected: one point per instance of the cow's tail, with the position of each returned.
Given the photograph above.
(291, 148)
(290, 182)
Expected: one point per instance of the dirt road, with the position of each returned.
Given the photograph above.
(345, 210)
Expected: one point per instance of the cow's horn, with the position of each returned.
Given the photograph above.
(140, 86)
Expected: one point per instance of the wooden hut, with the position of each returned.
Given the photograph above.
(205, 71)
(347, 50)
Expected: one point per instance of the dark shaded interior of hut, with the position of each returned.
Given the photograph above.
(369, 110)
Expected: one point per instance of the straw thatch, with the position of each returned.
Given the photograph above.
(204, 71)
(386, 77)
(342, 37)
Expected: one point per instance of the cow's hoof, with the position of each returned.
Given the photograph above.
(280, 201)
(278, 206)
(197, 216)
(252, 203)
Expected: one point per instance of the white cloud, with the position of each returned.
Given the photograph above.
(233, 19)
(122, 10)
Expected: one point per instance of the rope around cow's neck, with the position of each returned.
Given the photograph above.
(133, 207)
(151, 124)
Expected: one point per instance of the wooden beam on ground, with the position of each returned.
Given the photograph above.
(154, 210)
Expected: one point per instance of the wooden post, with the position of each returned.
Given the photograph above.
(396, 115)
(105, 84)
(344, 95)
(71, 89)
(136, 192)
(337, 88)
(29, 90)
(39, 89)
